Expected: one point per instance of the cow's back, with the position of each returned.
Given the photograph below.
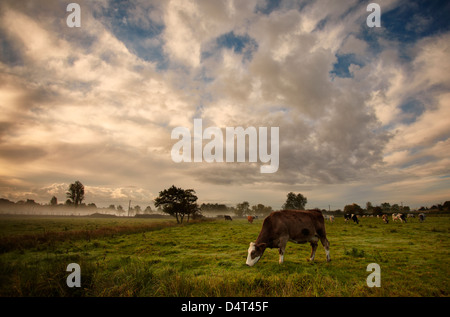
(299, 225)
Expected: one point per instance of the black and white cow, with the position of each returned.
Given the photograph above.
(353, 217)
(421, 217)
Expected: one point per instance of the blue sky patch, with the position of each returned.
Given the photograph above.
(413, 20)
(136, 36)
(240, 44)
(412, 109)
(268, 6)
(341, 68)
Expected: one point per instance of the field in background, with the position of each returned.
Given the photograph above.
(156, 257)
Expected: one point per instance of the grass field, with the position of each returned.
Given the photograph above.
(148, 257)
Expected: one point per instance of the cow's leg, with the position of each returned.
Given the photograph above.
(313, 250)
(283, 242)
(326, 245)
(281, 251)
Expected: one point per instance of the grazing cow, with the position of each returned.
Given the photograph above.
(385, 218)
(250, 219)
(421, 217)
(227, 218)
(399, 216)
(331, 218)
(352, 217)
(298, 226)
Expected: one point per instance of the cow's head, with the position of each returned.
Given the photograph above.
(255, 251)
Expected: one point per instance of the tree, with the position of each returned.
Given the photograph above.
(217, 208)
(395, 208)
(75, 193)
(386, 207)
(377, 210)
(147, 210)
(353, 209)
(261, 210)
(177, 202)
(446, 205)
(120, 209)
(54, 201)
(242, 209)
(294, 201)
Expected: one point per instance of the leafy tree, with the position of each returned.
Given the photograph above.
(446, 205)
(137, 209)
(177, 202)
(148, 210)
(214, 207)
(75, 193)
(294, 201)
(353, 209)
(261, 210)
(386, 207)
(377, 210)
(120, 209)
(395, 208)
(242, 209)
(54, 201)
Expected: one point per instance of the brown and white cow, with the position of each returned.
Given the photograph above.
(299, 226)
(250, 219)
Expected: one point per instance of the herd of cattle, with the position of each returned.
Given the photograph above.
(395, 217)
(300, 226)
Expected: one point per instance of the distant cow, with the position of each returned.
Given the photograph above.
(298, 226)
(385, 218)
(422, 217)
(403, 217)
(227, 218)
(250, 219)
(330, 218)
(352, 217)
(399, 216)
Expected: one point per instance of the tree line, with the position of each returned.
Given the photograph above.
(182, 205)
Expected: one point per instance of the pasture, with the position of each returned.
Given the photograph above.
(154, 257)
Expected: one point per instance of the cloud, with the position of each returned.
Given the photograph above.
(99, 103)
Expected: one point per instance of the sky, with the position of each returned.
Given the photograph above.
(363, 112)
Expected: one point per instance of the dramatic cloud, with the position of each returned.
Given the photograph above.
(362, 111)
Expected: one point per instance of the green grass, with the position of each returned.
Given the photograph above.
(147, 257)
